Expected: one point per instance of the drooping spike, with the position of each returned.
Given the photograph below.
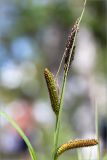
(75, 144)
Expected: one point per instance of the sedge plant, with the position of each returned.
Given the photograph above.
(56, 98)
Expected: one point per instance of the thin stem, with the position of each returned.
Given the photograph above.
(97, 129)
(56, 135)
(60, 66)
(79, 156)
(56, 138)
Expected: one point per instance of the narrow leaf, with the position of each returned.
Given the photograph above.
(22, 134)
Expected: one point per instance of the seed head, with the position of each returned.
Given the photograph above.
(69, 45)
(75, 144)
(53, 92)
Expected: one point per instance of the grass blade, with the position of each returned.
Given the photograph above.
(21, 133)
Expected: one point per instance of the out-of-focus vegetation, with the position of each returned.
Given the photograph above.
(33, 34)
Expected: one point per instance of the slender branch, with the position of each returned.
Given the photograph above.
(60, 65)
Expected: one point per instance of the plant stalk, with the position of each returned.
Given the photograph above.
(97, 130)
(56, 135)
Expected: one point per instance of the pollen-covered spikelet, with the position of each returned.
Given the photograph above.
(53, 92)
(75, 144)
(69, 45)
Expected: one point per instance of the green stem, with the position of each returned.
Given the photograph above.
(56, 138)
(60, 66)
(97, 129)
(56, 135)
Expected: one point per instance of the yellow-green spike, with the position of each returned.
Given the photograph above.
(75, 144)
(53, 92)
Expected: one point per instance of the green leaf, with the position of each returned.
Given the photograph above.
(22, 134)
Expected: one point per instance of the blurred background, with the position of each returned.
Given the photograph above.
(33, 35)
